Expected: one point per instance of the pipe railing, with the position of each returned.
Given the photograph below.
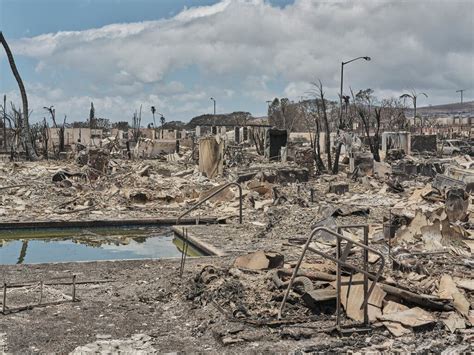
(211, 196)
(341, 262)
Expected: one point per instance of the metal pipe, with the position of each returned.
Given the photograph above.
(41, 292)
(4, 304)
(338, 283)
(340, 93)
(74, 288)
(181, 267)
(185, 249)
(211, 196)
(366, 279)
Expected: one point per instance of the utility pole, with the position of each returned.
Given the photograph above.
(461, 91)
(214, 100)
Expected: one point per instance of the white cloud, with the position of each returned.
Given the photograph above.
(425, 45)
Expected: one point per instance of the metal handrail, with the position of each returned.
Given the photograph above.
(338, 262)
(211, 196)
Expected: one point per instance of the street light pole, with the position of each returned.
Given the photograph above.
(214, 100)
(340, 94)
(342, 82)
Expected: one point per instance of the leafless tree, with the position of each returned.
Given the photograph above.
(313, 125)
(137, 119)
(25, 128)
(369, 117)
(16, 125)
(61, 129)
(322, 112)
(257, 136)
(394, 114)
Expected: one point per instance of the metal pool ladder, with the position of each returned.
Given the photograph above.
(340, 260)
(185, 231)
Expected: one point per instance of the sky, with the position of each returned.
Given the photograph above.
(176, 54)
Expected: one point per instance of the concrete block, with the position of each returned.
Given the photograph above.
(339, 189)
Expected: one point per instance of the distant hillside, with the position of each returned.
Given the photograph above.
(448, 109)
(174, 125)
(234, 118)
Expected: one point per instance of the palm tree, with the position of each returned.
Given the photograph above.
(162, 120)
(26, 137)
(413, 96)
(153, 110)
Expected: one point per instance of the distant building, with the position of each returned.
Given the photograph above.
(85, 136)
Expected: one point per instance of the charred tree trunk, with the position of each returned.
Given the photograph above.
(25, 136)
(378, 119)
(335, 168)
(45, 139)
(373, 143)
(317, 149)
(323, 113)
(62, 129)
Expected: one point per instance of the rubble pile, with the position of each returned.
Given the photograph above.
(404, 303)
(417, 211)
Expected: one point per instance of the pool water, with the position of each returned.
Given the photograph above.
(66, 245)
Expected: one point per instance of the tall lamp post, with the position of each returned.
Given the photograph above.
(214, 100)
(342, 83)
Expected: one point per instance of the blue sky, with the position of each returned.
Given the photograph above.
(175, 54)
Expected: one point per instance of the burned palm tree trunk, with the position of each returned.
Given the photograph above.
(25, 136)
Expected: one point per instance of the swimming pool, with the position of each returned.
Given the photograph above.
(30, 246)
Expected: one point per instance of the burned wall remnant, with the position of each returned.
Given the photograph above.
(424, 143)
(363, 163)
(396, 140)
(274, 140)
(410, 168)
(443, 183)
(211, 154)
(464, 175)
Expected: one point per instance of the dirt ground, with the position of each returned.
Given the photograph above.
(146, 306)
(149, 298)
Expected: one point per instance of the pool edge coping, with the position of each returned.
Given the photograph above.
(198, 243)
(165, 221)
